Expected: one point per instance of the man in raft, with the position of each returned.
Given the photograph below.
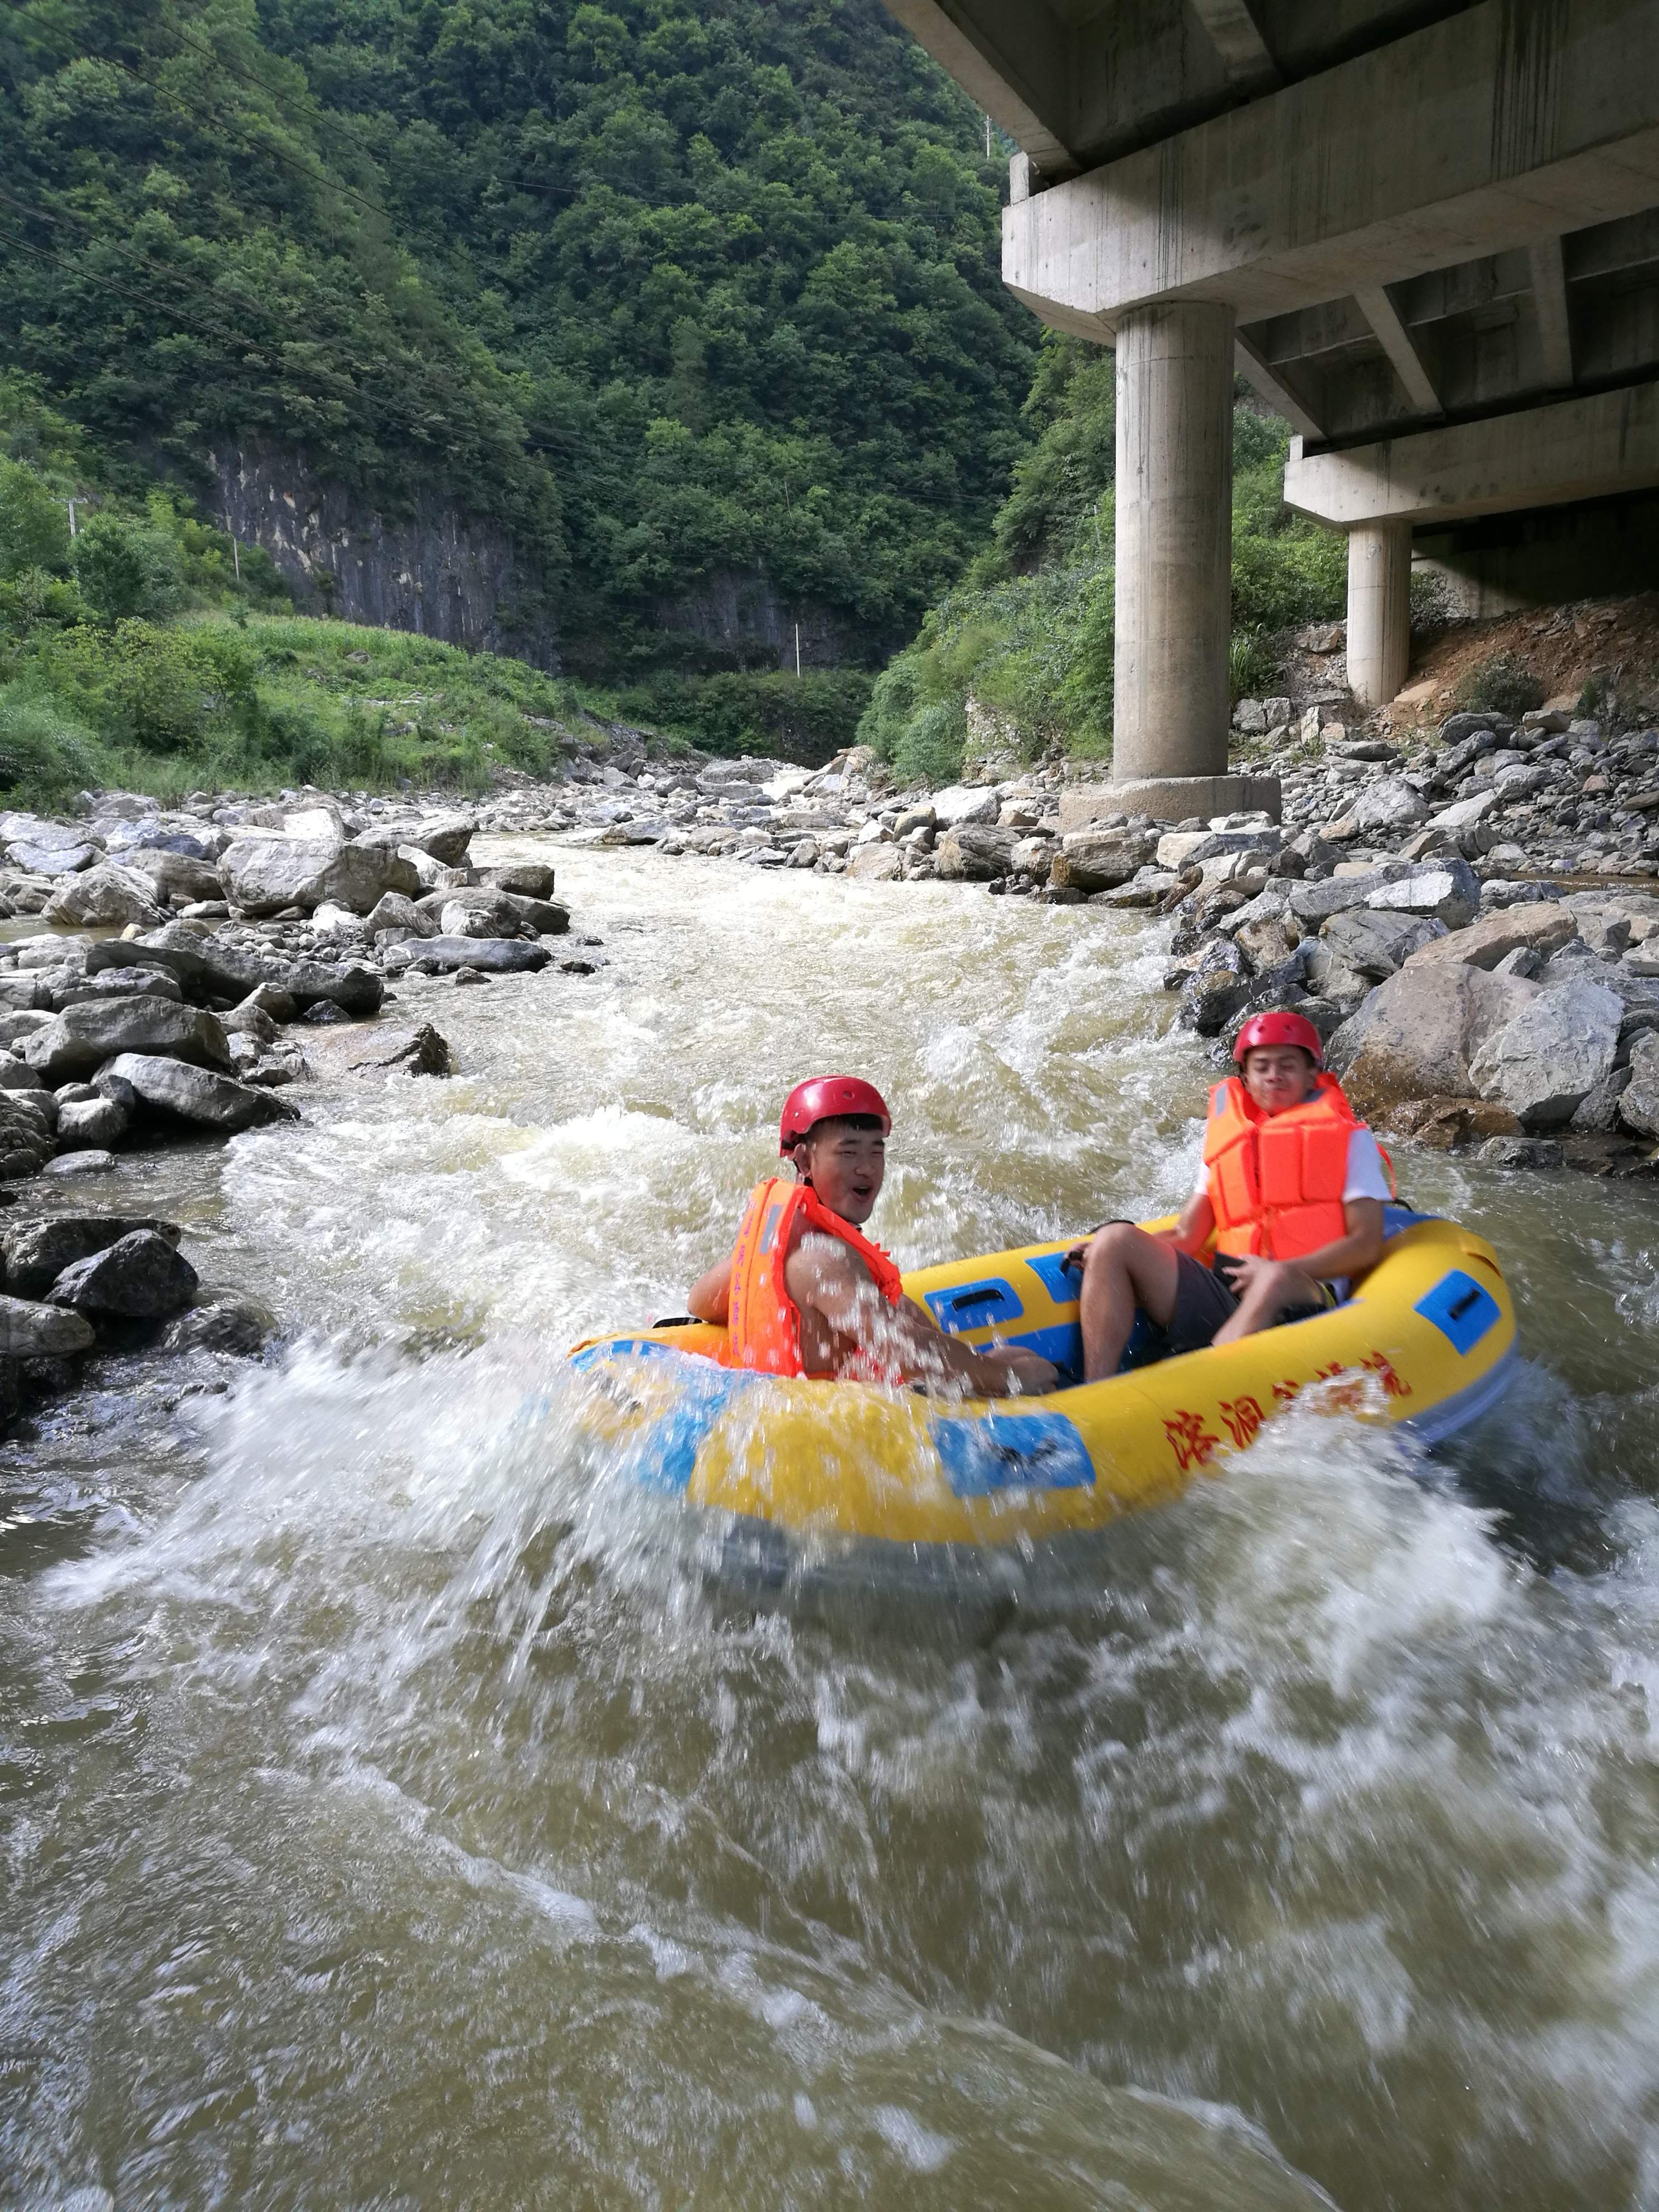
(804, 1293)
(1293, 1185)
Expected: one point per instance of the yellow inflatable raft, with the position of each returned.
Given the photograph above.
(1424, 1342)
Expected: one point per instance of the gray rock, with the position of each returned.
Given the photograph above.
(90, 1125)
(249, 1020)
(324, 1014)
(1090, 860)
(80, 1164)
(175, 876)
(876, 864)
(478, 912)
(496, 955)
(1540, 927)
(420, 1051)
(1522, 1152)
(34, 1255)
(193, 1094)
(16, 1075)
(1375, 944)
(82, 1037)
(1450, 889)
(265, 874)
(26, 1140)
(1414, 1035)
(239, 1326)
(961, 803)
(1598, 1109)
(975, 853)
(104, 895)
(445, 838)
(41, 1332)
(1390, 803)
(139, 1278)
(396, 911)
(1638, 1104)
(532, 878)
(14, 1027)
(1556, 1049)
(62, 860)
(547, 917)
(1314, 902)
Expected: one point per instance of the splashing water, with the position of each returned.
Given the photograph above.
(394, 1815)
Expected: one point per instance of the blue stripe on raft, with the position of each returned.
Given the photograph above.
(1062, 1283)
(974, 1305)
(1462, 1310)
(1396, 1218)
(667, 1450)
(987, 1452)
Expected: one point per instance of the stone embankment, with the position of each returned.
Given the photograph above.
(182, 960)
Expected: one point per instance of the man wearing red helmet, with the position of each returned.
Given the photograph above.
(1291, 1191)
(805, 1293)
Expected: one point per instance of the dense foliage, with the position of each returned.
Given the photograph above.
(1026, 638)
(674, 288)
(140, 652)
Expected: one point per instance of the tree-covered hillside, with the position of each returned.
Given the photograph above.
(677, 289)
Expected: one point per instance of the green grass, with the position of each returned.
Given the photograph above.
(259, 703)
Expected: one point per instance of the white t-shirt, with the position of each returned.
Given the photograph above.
(1367, 1176)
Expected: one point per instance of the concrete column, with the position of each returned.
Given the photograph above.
(1174, 479)
(1379, 609)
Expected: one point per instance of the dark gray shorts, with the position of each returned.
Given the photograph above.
(1203, 1303)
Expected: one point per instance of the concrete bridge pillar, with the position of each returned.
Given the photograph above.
(1379, 609)
(1174, 479)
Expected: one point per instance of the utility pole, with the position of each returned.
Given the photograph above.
(71, 509)
(987, 137)
(798, 653)
(235, 550)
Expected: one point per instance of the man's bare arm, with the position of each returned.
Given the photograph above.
(710, 1296)
(823, 1273)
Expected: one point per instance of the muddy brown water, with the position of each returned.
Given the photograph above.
(390, 1816)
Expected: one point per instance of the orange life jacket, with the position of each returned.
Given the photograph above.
(764, 1320)
(1276, 1181)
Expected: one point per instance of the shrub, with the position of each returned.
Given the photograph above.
(161, 689)
(1501, 684)
(33, 525)
(806, 718)
(127, 570)
(45, 755)
(1253, 666)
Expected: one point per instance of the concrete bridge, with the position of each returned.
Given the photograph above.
(1426, 231)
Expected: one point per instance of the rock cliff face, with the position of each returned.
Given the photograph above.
(441, 574)
(741, 615)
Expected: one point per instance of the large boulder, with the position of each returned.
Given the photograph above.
(84, 1037)
(1556, 1049)
(975, 854)
(209, 967)
(134, 982)
(192, 1094)
(1638, 1103)
(535, 879)
(1374, 944)
(175, 875)
(477, 911)
(27, 1138)
(1100, 860)
(90, 1125)
(445, 838)
(1314, 904)
(105, 895)
(139, 1278)
(265, 873)
(38, 1332)
(1540, 926)
(1390, 803)
(960, 803)
(547, 917)
(34, 1255)
(398, 911)
(1415, 1035)
(1448, 889)
(491, 956)
(876, 864)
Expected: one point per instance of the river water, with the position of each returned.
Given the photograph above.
(385, 1820)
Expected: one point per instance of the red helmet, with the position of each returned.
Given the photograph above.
(821, 1097)
(1278, 1029)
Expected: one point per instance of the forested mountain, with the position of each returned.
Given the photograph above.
(680, 290)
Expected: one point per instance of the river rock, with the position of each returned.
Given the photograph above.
(1464, 813)
(1541, 927)
(975, 853)
(265, 873)
(494, 956)
(1597, 1111)
(1375, 944)
(1555, 1049)
(90, 1125)
(420, 1051)
(876, 864)
(176, 876)
(193, 1094)
(529, 878)
(1523, 1153)
(1448, 890)
(139, 1278)
(59, 861)
(1388, 804)
(477, 912)
(445, 838)
(239, 1326)
(1314, 902)
(82, 1037)
(16, 1075)
(1414, 1035)
(547, 917)
(34, 1255)
(120, 983)
(1100, 860)
(962, 803)
(1445, 1124)
(249, 1021)
(103, 895)
(1638, 1104)
(41, 1332)
(398, 911)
